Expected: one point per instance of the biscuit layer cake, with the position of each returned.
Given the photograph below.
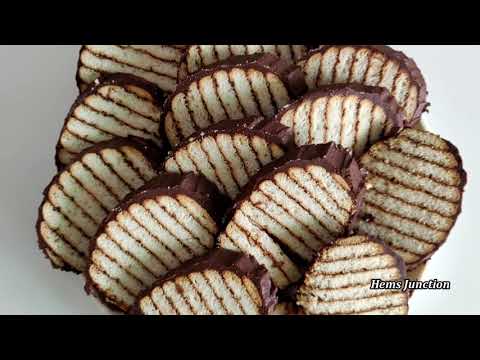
(354, 116)
(293, 207)
(117, 106)
(372, 65)
(231, 152)
(197, 57)
(339, 281)
(80, 197)
(222, 282)
(157, 64)
(414, 193)
(240, 87)
(167, 222)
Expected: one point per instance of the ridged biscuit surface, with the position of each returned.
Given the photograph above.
(197, 57)
(152, 232)
(157, 64)
(414, 193)
(119, 106)
(372, 65)
(82, 195)
(287, 214)
(228, 154)
(339, 282)
(354, 116)
(244, 87)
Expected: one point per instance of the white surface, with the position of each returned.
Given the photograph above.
(37, 88)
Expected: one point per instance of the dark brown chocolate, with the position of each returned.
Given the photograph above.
(334, 158)
(404, 62)
(225, 260)
(377, 95)
(148, 148)
(291, 75)
(120, 80)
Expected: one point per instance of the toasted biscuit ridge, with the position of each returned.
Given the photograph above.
(372, 65)
(82, 194)
(339, 281)
(157, 64)
(118, 106)
(415, 189)
(164, 224)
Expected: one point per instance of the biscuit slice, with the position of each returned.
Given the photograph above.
(242, 86)
(79, 198)
(294, 207)
(414, 193)
(230, 152)
(372, 65)
(354, 116)
(169, 221)
(339, 282)
(222, 282)
(117, 106)
(197, 57)
(157, 64)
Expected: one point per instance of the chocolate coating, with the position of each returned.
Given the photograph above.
(119, 80)
(404, 62)
(225, 260)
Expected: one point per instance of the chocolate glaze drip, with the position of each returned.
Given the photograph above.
(121, 80)
(224, 260)
(404, 62)
(291, 75)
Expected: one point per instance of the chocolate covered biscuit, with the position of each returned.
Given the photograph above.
(222, 282)
(164, 224)
(341, 278)
(82, 195)
(354, 116)
(294, 207)
(231, 152)
(117, 106)
(372, 65)
(243, 86)
(157, 64)
(414, 193)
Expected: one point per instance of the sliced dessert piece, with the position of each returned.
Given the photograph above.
(231, 152)
(167, 222)
(416, 272)
(157, 64)
(242, 86)
(117, 106)
(197, 57)
(293, 207)
(354, 116)
(82, 195)
(414, 192)
(339, 282)
(372, 65)
(222, 282)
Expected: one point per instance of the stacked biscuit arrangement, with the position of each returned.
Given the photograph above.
(248, 179)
